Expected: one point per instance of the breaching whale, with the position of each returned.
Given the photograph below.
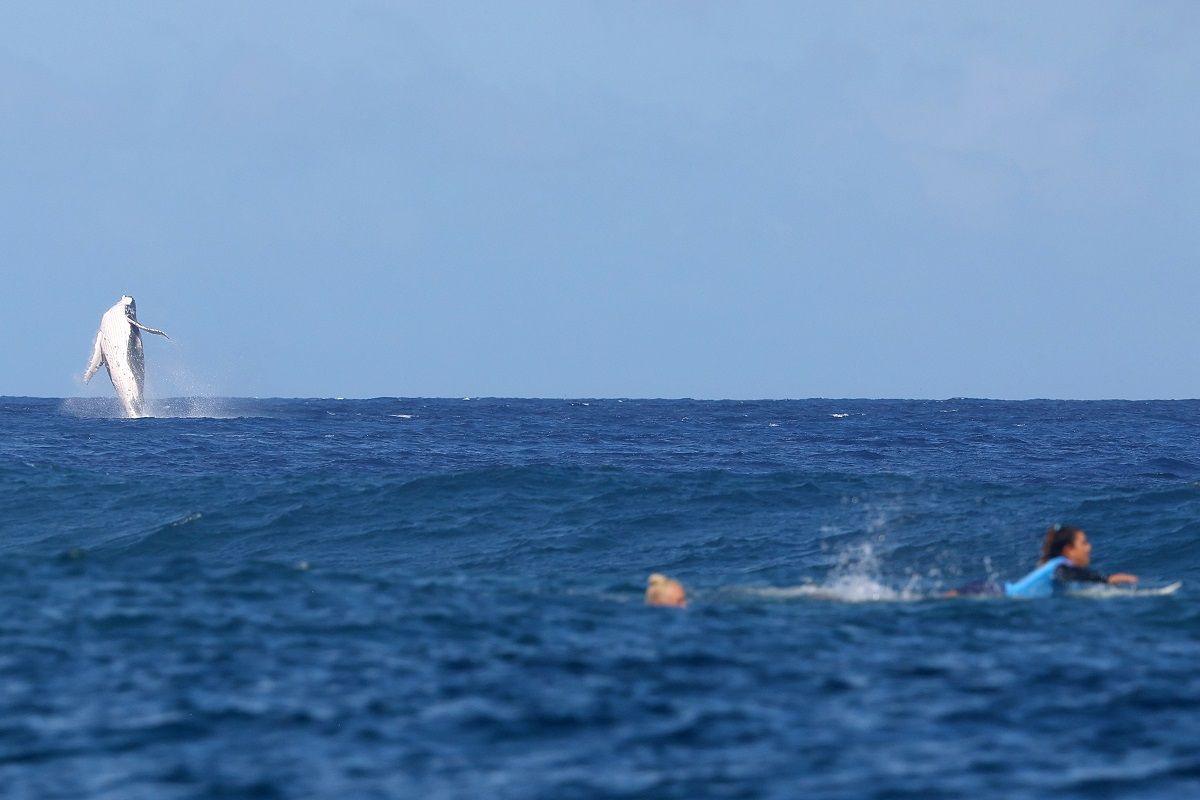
(119, 347)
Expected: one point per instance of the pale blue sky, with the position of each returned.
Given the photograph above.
(606, 199)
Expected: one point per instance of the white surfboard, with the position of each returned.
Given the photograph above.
(1170, 588)
(1103, 590)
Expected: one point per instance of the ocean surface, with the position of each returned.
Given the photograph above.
(399, 598)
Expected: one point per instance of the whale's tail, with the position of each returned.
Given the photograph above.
(96, 361)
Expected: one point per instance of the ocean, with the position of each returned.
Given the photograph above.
(397, 598)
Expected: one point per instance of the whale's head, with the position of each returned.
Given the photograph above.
(130, 306)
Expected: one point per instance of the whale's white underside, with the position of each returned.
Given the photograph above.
(118, 347)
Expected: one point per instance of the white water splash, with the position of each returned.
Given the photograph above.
(173, 390)
(156, 408)
(190, 408)
(176, 390)
(842, 590)
(91, 408)
(856, 578)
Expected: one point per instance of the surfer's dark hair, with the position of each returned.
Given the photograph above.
(1058, 538)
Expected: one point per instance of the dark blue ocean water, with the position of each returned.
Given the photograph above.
(442, 598)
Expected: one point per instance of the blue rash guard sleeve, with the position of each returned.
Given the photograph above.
(1039, 583)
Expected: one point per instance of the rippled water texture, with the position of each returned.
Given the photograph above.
(442, 598)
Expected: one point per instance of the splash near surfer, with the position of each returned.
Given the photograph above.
(118, 347)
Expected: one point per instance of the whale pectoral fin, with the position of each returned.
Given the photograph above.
(148, 329)
(96, 361)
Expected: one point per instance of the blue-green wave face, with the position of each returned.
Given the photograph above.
(406, 597)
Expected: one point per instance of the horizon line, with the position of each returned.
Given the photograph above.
(564, 398)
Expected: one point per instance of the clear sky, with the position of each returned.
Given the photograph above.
(717, 200)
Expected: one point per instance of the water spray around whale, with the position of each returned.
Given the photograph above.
(118, 347)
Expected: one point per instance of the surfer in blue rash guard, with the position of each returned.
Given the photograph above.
(1066, 558)
(1071, 543)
